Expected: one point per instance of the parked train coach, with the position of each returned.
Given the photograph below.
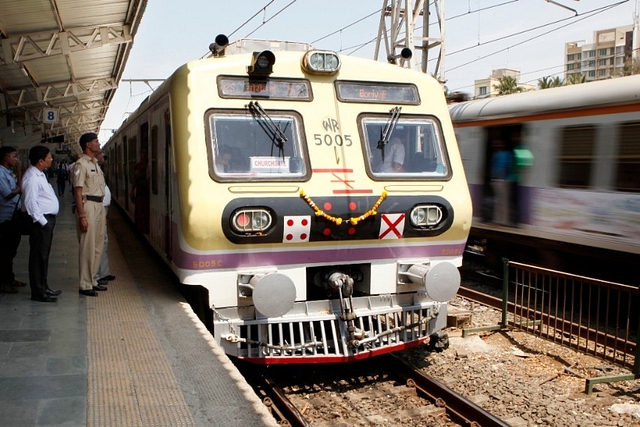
(560, 165)
(319, 199)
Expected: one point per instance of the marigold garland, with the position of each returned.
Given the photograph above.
(338, 221)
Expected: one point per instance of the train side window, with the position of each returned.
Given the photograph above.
(628, 161)
(415, 148)
(244, 148)
(577, 147)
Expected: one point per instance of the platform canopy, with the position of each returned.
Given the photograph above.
(61, 61)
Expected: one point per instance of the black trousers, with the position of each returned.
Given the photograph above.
(9, 242)
(39, 249)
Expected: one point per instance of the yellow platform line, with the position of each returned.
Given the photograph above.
(130, 381)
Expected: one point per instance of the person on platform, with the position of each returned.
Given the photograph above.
(104, 272)
(88, 194)
(42, 205)
(10, 193)
(61, 178)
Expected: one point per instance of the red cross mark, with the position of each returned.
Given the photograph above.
(391, 226)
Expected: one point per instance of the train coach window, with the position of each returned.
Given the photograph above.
(576, 156)
(414, 149)
(628, 178)
(246, 147)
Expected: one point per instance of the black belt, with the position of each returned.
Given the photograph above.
(94, 198)
(49, 215)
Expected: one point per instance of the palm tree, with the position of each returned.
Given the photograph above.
(574, 79)
(507, 85)
(548, 82)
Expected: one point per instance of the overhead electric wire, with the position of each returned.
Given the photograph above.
(264, 8)
(590, 13)
(344, 28)
(276, 14)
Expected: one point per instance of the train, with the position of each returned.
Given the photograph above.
(574, 190)
(257, 175)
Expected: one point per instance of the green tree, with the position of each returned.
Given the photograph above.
(507, 85)
(574, 79)
(631, 67)
(548, 82)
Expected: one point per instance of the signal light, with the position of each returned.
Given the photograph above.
(261, 64)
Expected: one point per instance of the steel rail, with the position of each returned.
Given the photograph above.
(456, 405)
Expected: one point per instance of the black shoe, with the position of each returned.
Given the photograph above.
(45, 298)
(52, 293)
(102, 282)
(107, 278)
(99, 288)
(88, 292)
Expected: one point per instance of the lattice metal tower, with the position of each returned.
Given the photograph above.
(398, 30)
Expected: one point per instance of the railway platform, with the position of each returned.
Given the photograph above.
(136, 355)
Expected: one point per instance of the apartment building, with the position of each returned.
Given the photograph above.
(602, 59)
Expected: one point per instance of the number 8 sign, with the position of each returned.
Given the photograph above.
(49, 115)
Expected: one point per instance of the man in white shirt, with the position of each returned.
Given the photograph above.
(42, 205)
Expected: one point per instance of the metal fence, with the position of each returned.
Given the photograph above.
(596, 317)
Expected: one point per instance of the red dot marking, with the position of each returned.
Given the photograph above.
(290, 222)
(305, 222)
(326, 231)
(289, 237)
(303, 236)
(352, 206)
(327, 206)
(352, 231)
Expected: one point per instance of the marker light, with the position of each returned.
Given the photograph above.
(321, 62)
(251, 220)
(261, 64)
(426, 215)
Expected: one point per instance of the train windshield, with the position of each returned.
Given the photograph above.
(246, 146)
(413, 149)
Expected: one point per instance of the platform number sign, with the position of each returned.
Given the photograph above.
(49, 115)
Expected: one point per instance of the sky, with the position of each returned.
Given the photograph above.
(480, 36)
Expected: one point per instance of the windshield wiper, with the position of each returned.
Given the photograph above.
(386, 132)
(278, 138)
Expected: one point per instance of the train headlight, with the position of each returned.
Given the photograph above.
(426, 215)
(321, 62)
(251, 220)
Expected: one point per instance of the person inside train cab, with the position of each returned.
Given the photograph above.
(88, 193)
(394, 155)
(223, 159)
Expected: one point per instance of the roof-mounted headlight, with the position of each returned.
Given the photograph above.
(321, 62)
(261, 64)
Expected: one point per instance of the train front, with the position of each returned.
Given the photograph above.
(325, 206)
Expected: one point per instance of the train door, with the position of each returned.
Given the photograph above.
(141, 184)
(125, 161)
(168, 186)
(501, 175)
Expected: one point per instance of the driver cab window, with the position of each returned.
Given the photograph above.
(412, 148)
(249, 147)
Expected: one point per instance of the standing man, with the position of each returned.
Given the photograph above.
(10, 191)
(42, 205)
(88, 193)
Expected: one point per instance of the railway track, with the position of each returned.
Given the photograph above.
(387, 391)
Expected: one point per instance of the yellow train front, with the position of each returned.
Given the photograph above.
(320, 199)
